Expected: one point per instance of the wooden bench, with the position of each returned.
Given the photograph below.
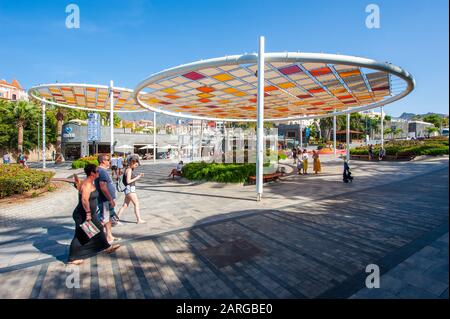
(266, 178)
(360, 157)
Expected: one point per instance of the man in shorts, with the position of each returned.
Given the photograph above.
(106, 196)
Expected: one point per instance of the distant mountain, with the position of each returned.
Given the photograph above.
(408, 116)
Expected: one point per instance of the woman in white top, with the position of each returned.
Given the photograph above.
(305, 158)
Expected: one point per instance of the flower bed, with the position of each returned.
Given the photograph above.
(14, 179)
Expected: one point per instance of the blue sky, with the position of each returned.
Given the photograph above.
(128, 40)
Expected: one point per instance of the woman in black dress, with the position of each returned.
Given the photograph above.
(81, 246)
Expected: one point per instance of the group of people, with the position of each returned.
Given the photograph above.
(22, 159)
(97, 195)
(381, 153)
(301, 158)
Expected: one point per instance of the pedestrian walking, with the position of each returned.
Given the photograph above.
(317, 166)
(129, 180)
(82, 246)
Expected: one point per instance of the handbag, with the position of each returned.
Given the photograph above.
(90, 229)
(120, 184)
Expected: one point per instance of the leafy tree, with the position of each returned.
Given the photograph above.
(434, 119)
(445, 122)
(431, 129)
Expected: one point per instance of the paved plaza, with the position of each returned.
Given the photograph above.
(311, 237)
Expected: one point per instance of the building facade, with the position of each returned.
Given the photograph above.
(12, 91)
(75, 142)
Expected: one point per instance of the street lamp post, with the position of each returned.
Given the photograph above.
(154, 137)
(348, 136)
(334, 135)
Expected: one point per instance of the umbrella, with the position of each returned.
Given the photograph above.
(148, 146)
(124, 147)
(167, 146)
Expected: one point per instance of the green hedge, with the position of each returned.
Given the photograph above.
(14, 179)
(412, 148)
(222, 173)
(81, 163)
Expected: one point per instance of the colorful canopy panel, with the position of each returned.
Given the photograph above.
(88, 97)
(291, 90)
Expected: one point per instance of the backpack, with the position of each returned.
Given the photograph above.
(120, 184)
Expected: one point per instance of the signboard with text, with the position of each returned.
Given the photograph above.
(94, 127)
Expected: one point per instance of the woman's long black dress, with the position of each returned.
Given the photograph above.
(81, 246)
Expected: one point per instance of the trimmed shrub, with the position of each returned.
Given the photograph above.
(218, 172)
(82, 162)
(432, 146)
(14, 179)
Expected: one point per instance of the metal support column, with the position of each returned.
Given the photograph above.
(382, 127)
(260, 123)
(154, 137)
(348, 136)
(334, 135)
(301, 136)
(43, 134)
(111, 117)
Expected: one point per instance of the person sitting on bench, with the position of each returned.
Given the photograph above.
(177, 171)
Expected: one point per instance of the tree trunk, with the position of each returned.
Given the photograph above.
(20, 137)
(59, 123)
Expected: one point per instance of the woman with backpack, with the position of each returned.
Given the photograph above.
(129, 180)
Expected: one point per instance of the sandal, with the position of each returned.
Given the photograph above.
(112, 249)
(76, 262)
(115, 240)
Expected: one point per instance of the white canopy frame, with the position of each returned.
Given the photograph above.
(294, 57)
(287, 57)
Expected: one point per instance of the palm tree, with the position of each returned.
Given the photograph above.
(397, 131)
(21, 112)
(431, 130)
(389, 131)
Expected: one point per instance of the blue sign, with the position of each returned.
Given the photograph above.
(68, 130)
(307, 132)
(94, 127)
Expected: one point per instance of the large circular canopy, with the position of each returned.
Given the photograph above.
(297, 85)
(86, 97)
